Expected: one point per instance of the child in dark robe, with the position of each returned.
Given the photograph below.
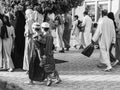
(36, 71)
(48, 59)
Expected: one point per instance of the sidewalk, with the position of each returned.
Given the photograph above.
(76, 71)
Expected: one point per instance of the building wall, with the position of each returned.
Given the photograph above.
(116, 8)
(113, 6)
(79, 11)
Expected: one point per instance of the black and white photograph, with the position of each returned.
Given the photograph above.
(59, 44)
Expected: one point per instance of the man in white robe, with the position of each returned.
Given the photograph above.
(105, 33)
(87, 23)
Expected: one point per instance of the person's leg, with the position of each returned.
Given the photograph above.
(66, 38)
(117, 49)
(56, 74)
(30, 82)
(49, 80)
(106, 59)
(112, 58)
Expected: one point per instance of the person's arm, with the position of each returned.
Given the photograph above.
(97, 32)
(84, 22)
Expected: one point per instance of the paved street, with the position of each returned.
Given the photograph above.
(76, 71)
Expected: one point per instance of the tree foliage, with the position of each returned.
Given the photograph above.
(58, 6)
(52, 6)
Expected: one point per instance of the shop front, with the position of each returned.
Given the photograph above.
(95, 6)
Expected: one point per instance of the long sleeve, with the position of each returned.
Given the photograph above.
(84, 21)
(97, 33)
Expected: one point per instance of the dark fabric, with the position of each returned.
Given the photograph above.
(118, 48)
(112, 58)
(19, 40)
(36, 73)
(4, 33)
(49, 66)
(88, 50)
(66, 37)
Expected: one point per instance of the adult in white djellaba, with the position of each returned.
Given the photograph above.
(28, 38)
(105, 34)
(87, 23)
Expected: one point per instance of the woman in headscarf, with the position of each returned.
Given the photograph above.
(20, 39)
(113, 58)
(59, 33)
(8, 36)
(28, 38)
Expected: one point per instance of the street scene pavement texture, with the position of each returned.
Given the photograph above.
(76, 71)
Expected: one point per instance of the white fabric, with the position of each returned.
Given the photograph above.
(76, 33)
(105, 33)
(59, 36)
(7, 47)
(38, 17)
(45, 25)
(29, 14)
(87, 22)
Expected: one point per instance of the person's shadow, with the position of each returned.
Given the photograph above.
(57, 61)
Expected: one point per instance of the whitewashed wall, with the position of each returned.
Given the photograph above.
(116, 8)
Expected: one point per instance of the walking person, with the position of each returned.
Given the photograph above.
(67, 30)
(106, 35)
(113, 59)
(49, 65)
(36, 71)
(76, 32)
(117, 50)
(59, 33)
(28, 38)
(87, 24)
(8, 36)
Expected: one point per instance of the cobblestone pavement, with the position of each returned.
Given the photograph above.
(76, 71)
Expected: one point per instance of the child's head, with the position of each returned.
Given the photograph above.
(45, 26)
(36, 27)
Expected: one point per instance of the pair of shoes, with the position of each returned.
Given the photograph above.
(61, 51)
(58, 81)
(108, 69)
(75, 46)
(10, 70)
(27, 72)
(49, 82)
(81, 47)
(101, 65)
(115, 63)
(29, 83)
(67, 49)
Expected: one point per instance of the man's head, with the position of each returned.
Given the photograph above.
(85, 13)
(104, 13)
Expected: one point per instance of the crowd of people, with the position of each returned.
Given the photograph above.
(27, 39)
